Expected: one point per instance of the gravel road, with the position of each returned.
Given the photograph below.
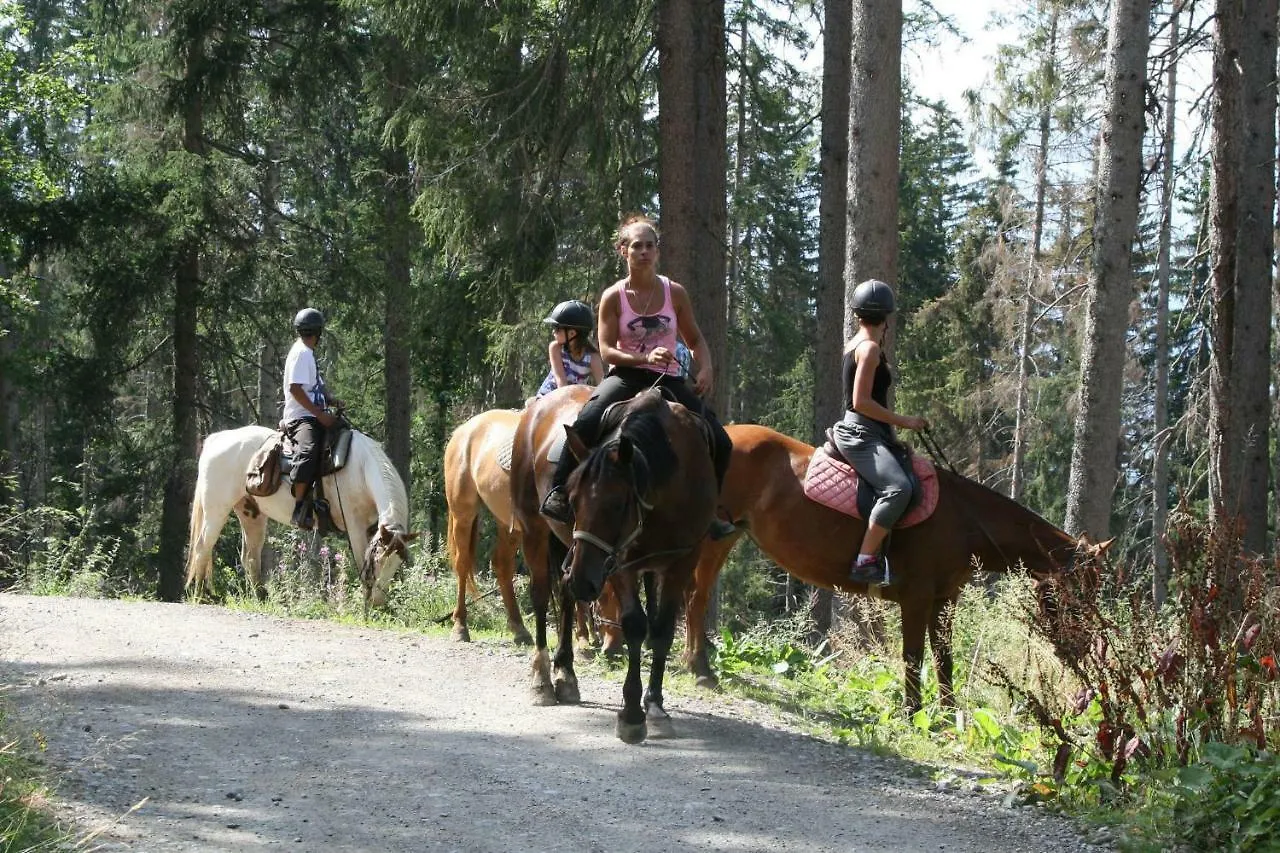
(245, 731)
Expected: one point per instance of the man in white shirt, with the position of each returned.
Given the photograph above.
(305, 417)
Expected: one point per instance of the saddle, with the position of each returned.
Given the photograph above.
(611, 424)
(274, 459)
(833, 482)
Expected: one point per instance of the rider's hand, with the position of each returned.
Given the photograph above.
(326, 420)
(704, 381)
(913, 422)
(660, 356)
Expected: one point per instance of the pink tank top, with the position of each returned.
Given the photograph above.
(643, 333)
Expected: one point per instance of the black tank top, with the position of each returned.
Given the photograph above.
(879, 385)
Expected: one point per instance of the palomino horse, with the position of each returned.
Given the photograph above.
(930, 561)
(474, 478)
(367, 500)
(642, 500)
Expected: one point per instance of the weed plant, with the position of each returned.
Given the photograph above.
(25, 819)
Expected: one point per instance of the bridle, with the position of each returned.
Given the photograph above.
(375, 554)
(611, 550)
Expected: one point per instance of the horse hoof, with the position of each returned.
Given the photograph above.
(261, 593)
(708, 682)
(521, 638)
(629, 732)
(567, 692)
(460, 634)
(614, 652)
(543, 695)
(585, 651)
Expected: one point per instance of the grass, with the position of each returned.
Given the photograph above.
(26, 821)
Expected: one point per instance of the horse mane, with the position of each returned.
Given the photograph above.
(386, 485)
(646, 428)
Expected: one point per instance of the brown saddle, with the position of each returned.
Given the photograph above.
(274, 459)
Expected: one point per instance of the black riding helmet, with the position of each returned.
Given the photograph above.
(308, 322)
(872, 300)
(573, 314)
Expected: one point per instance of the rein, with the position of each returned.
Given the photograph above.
(935, 451)
(611, 550)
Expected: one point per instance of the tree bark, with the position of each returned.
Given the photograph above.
(692, 161)
(398, 236)
(1159, 449)
(180, 488)
(1250, 391)
(833, 162)
(875, 127)
(1094, 467)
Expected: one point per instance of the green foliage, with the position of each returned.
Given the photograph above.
(1229, 800)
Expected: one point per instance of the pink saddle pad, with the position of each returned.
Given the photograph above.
(834, 484)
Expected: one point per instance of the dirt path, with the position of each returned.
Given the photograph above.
(246, 731)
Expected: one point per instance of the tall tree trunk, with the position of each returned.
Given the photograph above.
(1250, 391)
(875, 127)
(1159, 449)
(180, 487)
(9, 411)
(1018, 480)
(1224, 228)
(692, 161)
(1097, 428)
(398, 236)
(833, 161)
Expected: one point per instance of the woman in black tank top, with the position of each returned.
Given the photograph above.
(866, 433)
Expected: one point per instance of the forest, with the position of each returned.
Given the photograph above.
(1083, 248)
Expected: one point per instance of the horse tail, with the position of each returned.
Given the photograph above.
(193, 537)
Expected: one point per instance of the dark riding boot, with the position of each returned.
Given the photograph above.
(874, 572)
(556, 506)
(304, 517)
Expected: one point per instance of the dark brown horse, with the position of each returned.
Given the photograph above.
(931, 562)
(642, 501)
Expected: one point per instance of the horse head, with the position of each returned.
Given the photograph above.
(388, 550)
(607, 493)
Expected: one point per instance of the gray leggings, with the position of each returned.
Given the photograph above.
(865, 443)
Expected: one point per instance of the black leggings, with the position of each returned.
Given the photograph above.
(307, 436)
(623, 383)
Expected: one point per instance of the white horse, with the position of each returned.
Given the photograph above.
(367, 500)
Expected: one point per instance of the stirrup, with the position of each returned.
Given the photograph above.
(555, 506)
(875, 573)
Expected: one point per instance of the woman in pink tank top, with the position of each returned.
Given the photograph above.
(641, 319)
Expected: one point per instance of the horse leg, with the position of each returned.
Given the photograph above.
(566, 680)
(503, 563)
(630, 726)
(585, 635)
(940, 624)
(462, 554)
(609, 613)
(914, 618)
(710, 561)
(662, 629)
(538, 551)
(253, 530)
(207, 517)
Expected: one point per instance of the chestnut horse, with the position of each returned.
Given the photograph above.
(642, 502)
(473, 479)
(931, 561)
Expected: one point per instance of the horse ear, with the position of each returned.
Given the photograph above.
(625, 448)
(1103, 547)
(409, 537)
(574, 443)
